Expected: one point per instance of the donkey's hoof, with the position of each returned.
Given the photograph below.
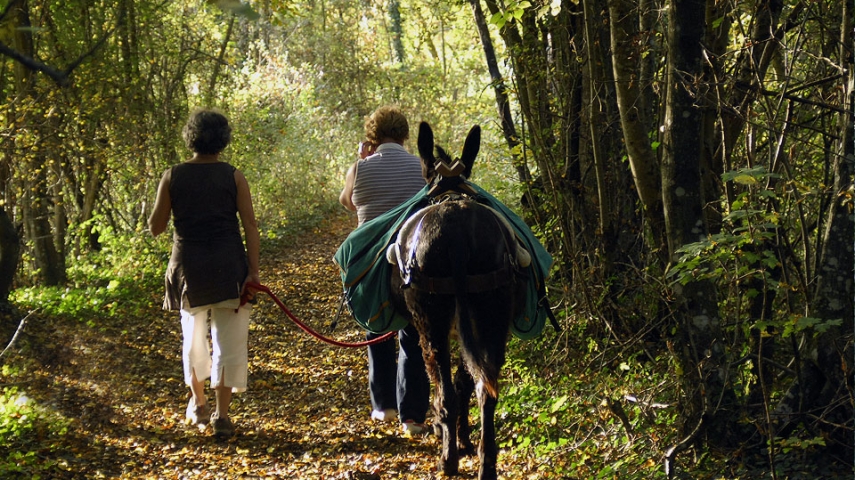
(487, 472)
(449, 467)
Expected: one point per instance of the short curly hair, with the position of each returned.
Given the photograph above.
(386, 122)
(207, 131)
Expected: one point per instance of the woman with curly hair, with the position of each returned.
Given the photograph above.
(385, 176)
(209, 267)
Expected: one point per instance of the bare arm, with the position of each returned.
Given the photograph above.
(250, 225)
(347, 192)
(159, 218)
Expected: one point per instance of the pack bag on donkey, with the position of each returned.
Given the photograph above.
(365, 270)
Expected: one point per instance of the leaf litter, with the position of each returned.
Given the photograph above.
(305, 413)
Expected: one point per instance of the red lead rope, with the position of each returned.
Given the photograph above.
(306, 328)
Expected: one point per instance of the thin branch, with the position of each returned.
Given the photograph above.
(7, 9)
(798, 99)
(682, 446)
(17, 332)
(92, 50)
(60, 77)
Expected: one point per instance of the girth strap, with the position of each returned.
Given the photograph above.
(474, 283)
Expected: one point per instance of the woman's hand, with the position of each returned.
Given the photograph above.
(366, 149)
(247, 293)
(247, 290)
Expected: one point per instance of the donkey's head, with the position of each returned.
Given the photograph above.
(441, 166)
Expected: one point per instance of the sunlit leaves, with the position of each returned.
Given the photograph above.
(811, 325)
(22, 420)
(512, 12)
(237, 7)
(740, 251)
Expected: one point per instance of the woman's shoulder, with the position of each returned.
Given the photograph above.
(196, 170)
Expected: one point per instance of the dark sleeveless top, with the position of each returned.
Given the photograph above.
(208, 262)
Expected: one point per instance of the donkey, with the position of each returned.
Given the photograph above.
(455, 273)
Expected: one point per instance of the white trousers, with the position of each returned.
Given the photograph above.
(226, 363)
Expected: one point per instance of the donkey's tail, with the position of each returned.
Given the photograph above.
(480, 367)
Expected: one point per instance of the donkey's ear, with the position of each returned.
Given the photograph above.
(425, 143)
(470, 149)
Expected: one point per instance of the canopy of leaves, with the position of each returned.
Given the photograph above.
(92, 109)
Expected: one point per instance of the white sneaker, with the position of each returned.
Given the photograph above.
(411, 428)
(384, 415)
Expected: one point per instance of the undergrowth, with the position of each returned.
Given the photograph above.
(122, 278)
(24, 425)
(583, 421)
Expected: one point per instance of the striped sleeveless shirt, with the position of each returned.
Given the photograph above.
(385, 180)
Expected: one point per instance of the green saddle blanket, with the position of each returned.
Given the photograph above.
(365, 272)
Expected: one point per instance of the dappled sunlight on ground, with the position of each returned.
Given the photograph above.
(305, 414)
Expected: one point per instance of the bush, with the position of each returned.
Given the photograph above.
(124, 278)
(23, 424)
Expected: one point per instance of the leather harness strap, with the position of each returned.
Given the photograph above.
(484, 282)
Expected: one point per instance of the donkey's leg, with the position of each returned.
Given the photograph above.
(492, 325)
(465, 387)
(446, 405)
(432, 319)
(487, 450)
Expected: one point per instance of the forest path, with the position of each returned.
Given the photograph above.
(304, 415)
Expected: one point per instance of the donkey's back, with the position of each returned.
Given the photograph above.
(457, 270)
(466, 279)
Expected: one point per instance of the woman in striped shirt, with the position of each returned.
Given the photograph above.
(380, 180)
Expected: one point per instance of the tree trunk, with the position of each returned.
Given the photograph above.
(628, 55)
(211, 94)
(569, 92)
(35, 203)
(126, 28)
(717, 42)
(526, 52)
(396, 30)
(38, 231)
(10, 254)
(700, 351)
(503, 104)
(619, 225)
(596, 115)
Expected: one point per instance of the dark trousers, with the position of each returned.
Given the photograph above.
(404, 384)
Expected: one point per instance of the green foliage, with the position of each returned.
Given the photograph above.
(799, 324)
(530, 410)
(566, 414)
(743, 257)
(733, 255)
(512, 12)
(289, 150)
(22, 423)
(124, 278)
(238, 8)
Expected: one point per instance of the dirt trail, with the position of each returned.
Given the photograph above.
(305, 414)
